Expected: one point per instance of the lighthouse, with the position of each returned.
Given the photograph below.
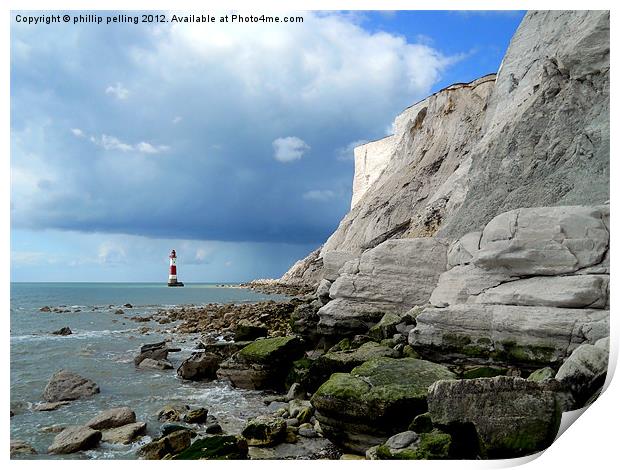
(172, 276)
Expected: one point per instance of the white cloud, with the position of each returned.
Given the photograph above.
(109, 142)
(289, 149)
(145, 147)
(118, 90)
(320, 195)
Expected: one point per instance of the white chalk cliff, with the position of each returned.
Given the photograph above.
(537, 134)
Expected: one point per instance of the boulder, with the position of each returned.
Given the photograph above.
(169, 428)
(504, 417)
(409, 445)
(322, 292)
(171, 413)
(377, 399)
(506, 334)
(304, 322)
(21, 448)
(112, 418)
(248, 331)
(64, 331)
(73, 439)
(333, 261)
(216, 448)
(344, 361)
(199, 366)
(307, 430)
(154, 364)
(198, 416)
(66, 386)
(386, 328)
(154, 450)
(155, 351)
(584, 371)
(265, 431)
(393, 277)
(178, 441)
(124, 434)
(262, 364)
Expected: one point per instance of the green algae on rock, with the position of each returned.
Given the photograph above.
(377, 399)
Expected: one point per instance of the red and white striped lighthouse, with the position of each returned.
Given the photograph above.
(172, 276)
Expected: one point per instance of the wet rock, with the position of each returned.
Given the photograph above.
(409, 445)
(382, 396)
(171, 413)
(64, 331)
(212, 426)
(197, 416)
(477, 372)
(217, 448)
(506, 416)
(583, 373)
(154, 364)
(199, 366)
(74, 439)
(248, 331)
(21, 448)
(305, 319)
(169, 428)
(155, 450)
(265, 431)
(178, 441)
(45, 309)
(128, 305)
(112, 418)
(262, 364)
(65, 386)
(119, 311)
(50, 406)
(124, 434)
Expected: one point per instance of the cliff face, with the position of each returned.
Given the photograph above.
(537, 134)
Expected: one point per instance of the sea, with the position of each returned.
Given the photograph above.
(102, 348)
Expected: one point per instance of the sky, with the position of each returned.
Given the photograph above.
(231, 143)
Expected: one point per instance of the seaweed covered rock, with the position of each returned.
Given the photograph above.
(503, 417)
(262, 364)
(409, 445)
(377, 399)
(386, 328)
(265, 431)
(216, 448)
(344, 361)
